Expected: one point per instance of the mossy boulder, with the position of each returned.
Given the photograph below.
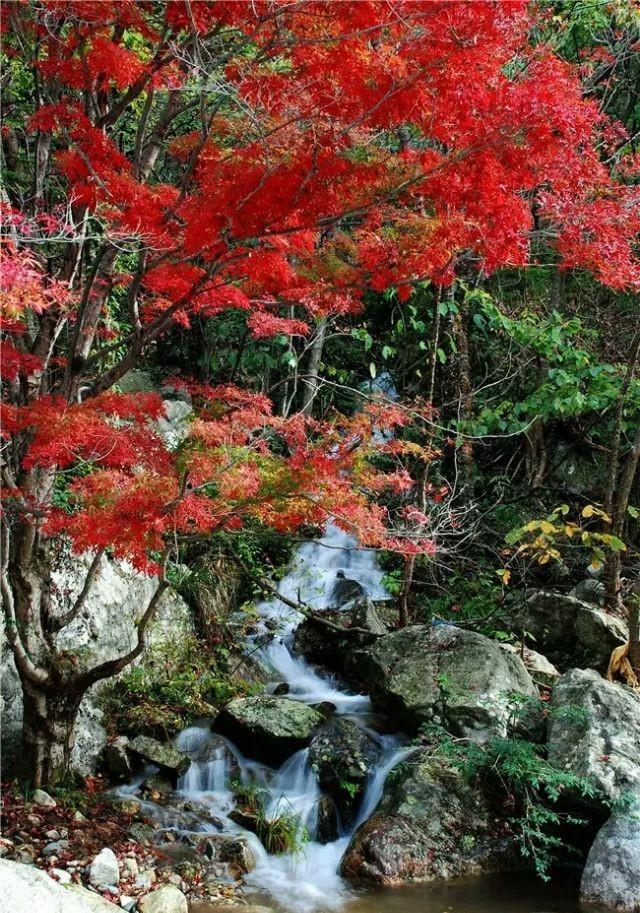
(429, 825)
(171, 761)
(343, 756)
(453, 677)
(269, 728)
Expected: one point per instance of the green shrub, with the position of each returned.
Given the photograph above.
(526, 781)
(173, 687)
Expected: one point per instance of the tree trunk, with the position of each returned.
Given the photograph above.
(465, 392)
(311, 380)
(48, 731)
(633, 616)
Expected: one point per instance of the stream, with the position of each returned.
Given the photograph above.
(307, 881)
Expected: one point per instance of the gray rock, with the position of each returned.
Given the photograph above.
(141, 833)
(429, 825)
(271, 728)
(548, 622)
(594, 732)
(167, 899)
(599, 633)
(61, 876)
(447, 675)
(611, 876)
(167, 758)
(43, 799)
(104, 869)
(105, 629)
(590, 591)
(175, 426)
(55, 848)
(343, 756)
(538, 666)
(24, 888)
(117, 760)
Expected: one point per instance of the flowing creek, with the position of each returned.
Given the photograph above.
(307, 881)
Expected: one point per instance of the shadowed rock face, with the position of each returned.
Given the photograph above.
(343, 756)
(269, 728)
(611, 876)
(594, 732)
(429, 825)
(447, 675)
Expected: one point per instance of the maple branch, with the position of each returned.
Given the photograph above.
(61, 621)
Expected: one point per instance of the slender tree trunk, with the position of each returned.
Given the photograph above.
(48, 731)
(633, 617)
(310, 383)
(619, 505)
(465, 391)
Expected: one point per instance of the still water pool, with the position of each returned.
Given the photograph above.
(506, 893)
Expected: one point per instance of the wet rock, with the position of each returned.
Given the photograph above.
(237, 851)
(167, 899)
(104, 869)
(270, 728)
(117, 760)
(611, 876)
(447, 675)
(594, 732)
(43, 799)
(327, 826)
(598, 634)
(343, 756)
(128, 805)
(167, 758)
(205, 747)
(281, 689)
(326, 708)
(342, 649)
(345, 590)
(429, 825)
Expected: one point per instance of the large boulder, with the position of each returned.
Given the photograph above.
(450, 676)
(269, 728)
(343, 756)
(105, 629)
(547, 621)
(342, 645)
(598, 634)
(25, 888)
(611, 877)
(429, 825)
(594, 732)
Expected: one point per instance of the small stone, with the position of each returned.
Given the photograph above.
(104, 870)
(55, 848)
(79, 817)
(141, 833)
(52, 835)
(61, 875)
(166, 899)
(126, 902)
(43, 799)
(34, 820)
(131, 865)
(175, 879)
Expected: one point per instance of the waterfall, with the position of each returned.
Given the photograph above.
(307, 880)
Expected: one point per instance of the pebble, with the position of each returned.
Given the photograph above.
(126, 902)
(53, 834)
(131, 865)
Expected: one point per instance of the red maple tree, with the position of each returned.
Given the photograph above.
(311, 150)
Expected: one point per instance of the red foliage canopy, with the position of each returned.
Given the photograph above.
(342, 146)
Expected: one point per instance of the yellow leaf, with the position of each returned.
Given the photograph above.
(505, 575)
(588, 511)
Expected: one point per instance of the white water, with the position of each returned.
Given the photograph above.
(306, 881)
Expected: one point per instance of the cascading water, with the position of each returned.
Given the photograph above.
(307, 880)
